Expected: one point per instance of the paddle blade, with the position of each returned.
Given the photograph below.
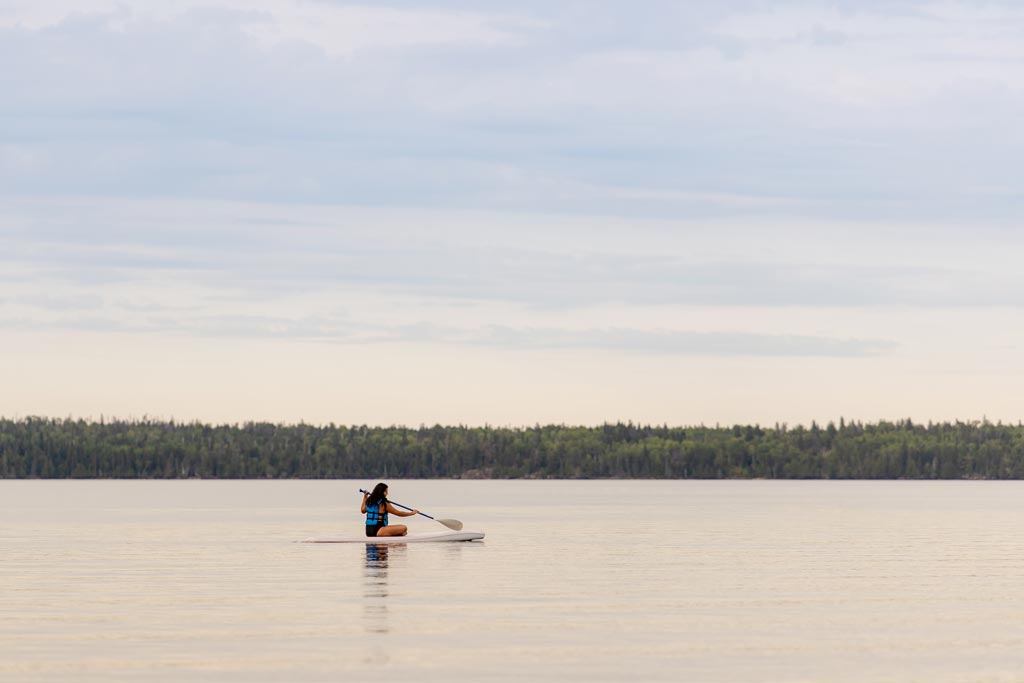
(453, 524)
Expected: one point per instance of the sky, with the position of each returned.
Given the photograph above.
(509, 213)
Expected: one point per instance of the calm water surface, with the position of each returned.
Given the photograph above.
(597, 581)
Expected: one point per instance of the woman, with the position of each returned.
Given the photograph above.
(376, 508)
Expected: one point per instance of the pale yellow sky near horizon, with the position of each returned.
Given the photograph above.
(93, 374)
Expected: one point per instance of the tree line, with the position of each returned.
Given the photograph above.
(37, 447)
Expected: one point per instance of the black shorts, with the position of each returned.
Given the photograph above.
(372, 529)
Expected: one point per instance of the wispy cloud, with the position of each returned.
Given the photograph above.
(341, 330)
(671, 342)
(188, 255)
(338, 29)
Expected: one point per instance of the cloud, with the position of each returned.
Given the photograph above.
(48, 302)
(692, 110)
(345, 275)
(337, 29)
(192, 254)
(688, 343)
(341, 330)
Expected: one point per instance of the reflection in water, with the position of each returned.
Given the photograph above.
(375, 583)
(376, 556)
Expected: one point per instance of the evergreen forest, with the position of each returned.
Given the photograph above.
(54, 448)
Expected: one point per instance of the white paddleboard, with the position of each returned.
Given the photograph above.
(437, 537)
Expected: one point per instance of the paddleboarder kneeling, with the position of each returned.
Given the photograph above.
(377, 507)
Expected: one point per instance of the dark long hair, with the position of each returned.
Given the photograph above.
(377, 495)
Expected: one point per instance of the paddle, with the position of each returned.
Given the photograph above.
(452, 524)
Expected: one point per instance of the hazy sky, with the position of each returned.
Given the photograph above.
(512, 212)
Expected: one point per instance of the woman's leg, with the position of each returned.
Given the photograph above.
(393, 530)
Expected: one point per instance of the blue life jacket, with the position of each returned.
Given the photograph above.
(374, 516)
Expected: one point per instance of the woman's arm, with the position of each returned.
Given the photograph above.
(401, 513)
(362, 508)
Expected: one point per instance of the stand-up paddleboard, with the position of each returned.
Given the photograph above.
(437, 537)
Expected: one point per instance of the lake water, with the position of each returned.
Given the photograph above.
(577, 580)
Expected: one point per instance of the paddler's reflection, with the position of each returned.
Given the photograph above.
(375, 584)
(376, 557)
